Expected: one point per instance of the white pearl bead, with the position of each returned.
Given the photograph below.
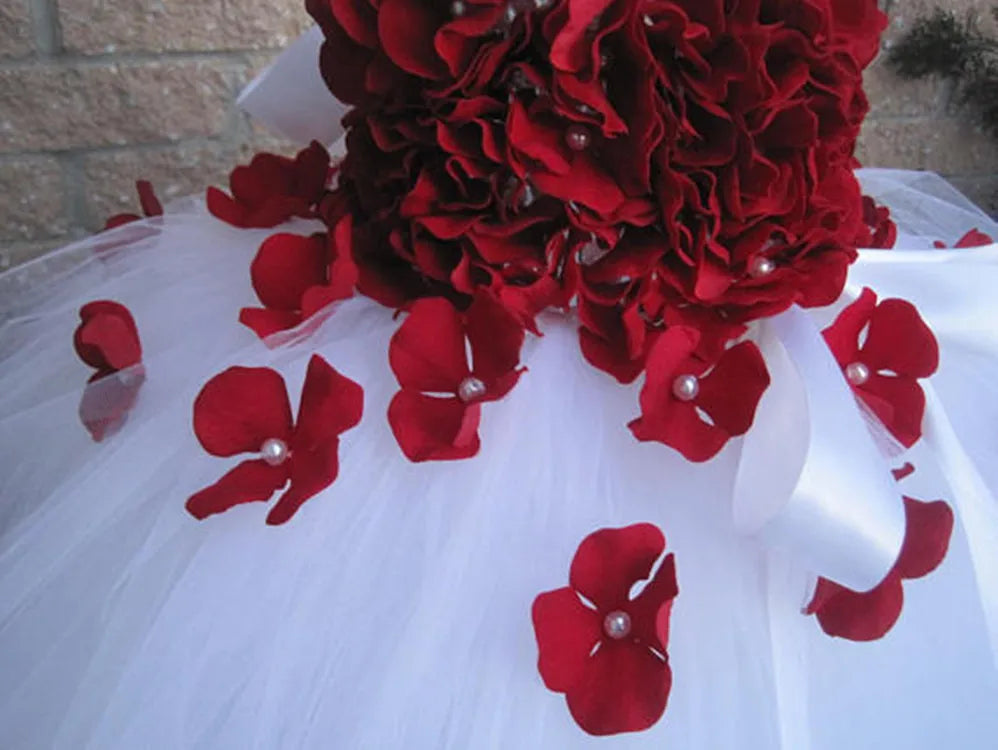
(761, 266)
(857, 373)
(541, 4)
(686, 387)
(458, 8)
(274, 451)
(648, 20)
(471, 389)
(617, 625)
(591, 253)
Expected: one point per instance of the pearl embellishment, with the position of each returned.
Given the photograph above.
(686, 387)
(471, 389)
(458, 8)
(761, 266)
(274, 451)
(857, 373)
(577, 137)
(617, 625)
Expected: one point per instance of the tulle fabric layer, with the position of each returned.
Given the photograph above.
(394, 610)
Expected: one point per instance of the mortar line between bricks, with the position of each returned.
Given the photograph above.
(47, 30)
(148, 146)
(133, 58)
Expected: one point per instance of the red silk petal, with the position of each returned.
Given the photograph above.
(264, 322)
(249, 482)
(650, 609)
(406, 30)
(625, 689)
(106, 401)
(496, 339)
(612, 357)
(610, 561)
(973, 238)
(286, 266)
(842, 336)
(731, 392)
(680, 427)
(224, 208)
(858, 617)
(434, 429)
(900, 341)
(312, 470)
(899, 403)
(926, 540)
(330, 404)
(107, 337)
(427, 352)
(566, 631)
(147, 199)
(240, 408)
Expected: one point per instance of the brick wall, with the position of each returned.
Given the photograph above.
(97, 93)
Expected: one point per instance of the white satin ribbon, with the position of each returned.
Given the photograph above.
(811, 479)
(291, 99)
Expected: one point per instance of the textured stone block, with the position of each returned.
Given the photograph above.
(21, 252)
(32, 200)
(891, 96)
(109, 26)
(948, 146)
(16, 38)
(50, 107)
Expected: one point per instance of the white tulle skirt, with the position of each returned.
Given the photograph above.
(394, 610)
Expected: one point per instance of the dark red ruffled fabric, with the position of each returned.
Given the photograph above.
(883, 230)
(272, 189)
(429, 417)
(242, 408)
(612, 684)
(646, 160)
(148, 201)
(296, 277)
(868, 616)
(107, 340)
(898, 350)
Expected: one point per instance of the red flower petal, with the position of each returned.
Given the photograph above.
(406, 30)
(107, 338)
(926, 539)
(650, 609)
(731, 392)
(898, 402)
(330, 405)
(427, 352)
(264, 322)
(842, 336)
(240, 408)
(610, 561)
(858, 617)
(566, 632)
(250, 481)
(496, 339)
(286, 266)
(147, 199)
(974, 238)
(107, 400)
(625, 689)
(312, 470)
(900, 341)
(434, 429)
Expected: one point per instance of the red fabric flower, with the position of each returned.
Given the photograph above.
(107, 339)
(973, 238)
(436, 414)
(272, 189)
(606, 651)
(868, 616)
(147, 200)
(883, 231)
(693, 405)
(295, 277)
(884, 370)
(246, 410)
(640, 158)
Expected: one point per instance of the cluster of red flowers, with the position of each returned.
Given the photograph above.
(656, 163)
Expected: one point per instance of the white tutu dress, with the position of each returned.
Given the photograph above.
(394, 609)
